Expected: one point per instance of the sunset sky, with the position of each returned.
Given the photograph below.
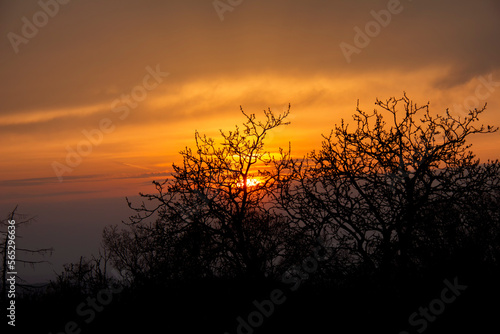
(142, 76)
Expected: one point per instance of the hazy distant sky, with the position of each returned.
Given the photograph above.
(66, 79)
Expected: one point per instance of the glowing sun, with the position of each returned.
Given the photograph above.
(251, 182)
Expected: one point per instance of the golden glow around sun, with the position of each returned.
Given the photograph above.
(251, 182)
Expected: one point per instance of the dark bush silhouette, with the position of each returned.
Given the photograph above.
(398, 201)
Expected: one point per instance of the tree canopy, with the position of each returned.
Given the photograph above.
(396, 197)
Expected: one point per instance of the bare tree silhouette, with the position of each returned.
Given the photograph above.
(399, 200)
(213, 217)
(85, 277)
(20, 221)
(377, 189)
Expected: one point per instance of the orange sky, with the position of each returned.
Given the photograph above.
(73, 74)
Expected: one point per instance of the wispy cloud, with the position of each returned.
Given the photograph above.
(41, 181)
(269, 55)
(37, 116)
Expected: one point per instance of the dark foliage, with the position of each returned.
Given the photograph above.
(357, 236)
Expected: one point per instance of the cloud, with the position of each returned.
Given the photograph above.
(264, 54)
(71, 63)
(41, 181)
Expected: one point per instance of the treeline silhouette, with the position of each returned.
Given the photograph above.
(357, 236)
